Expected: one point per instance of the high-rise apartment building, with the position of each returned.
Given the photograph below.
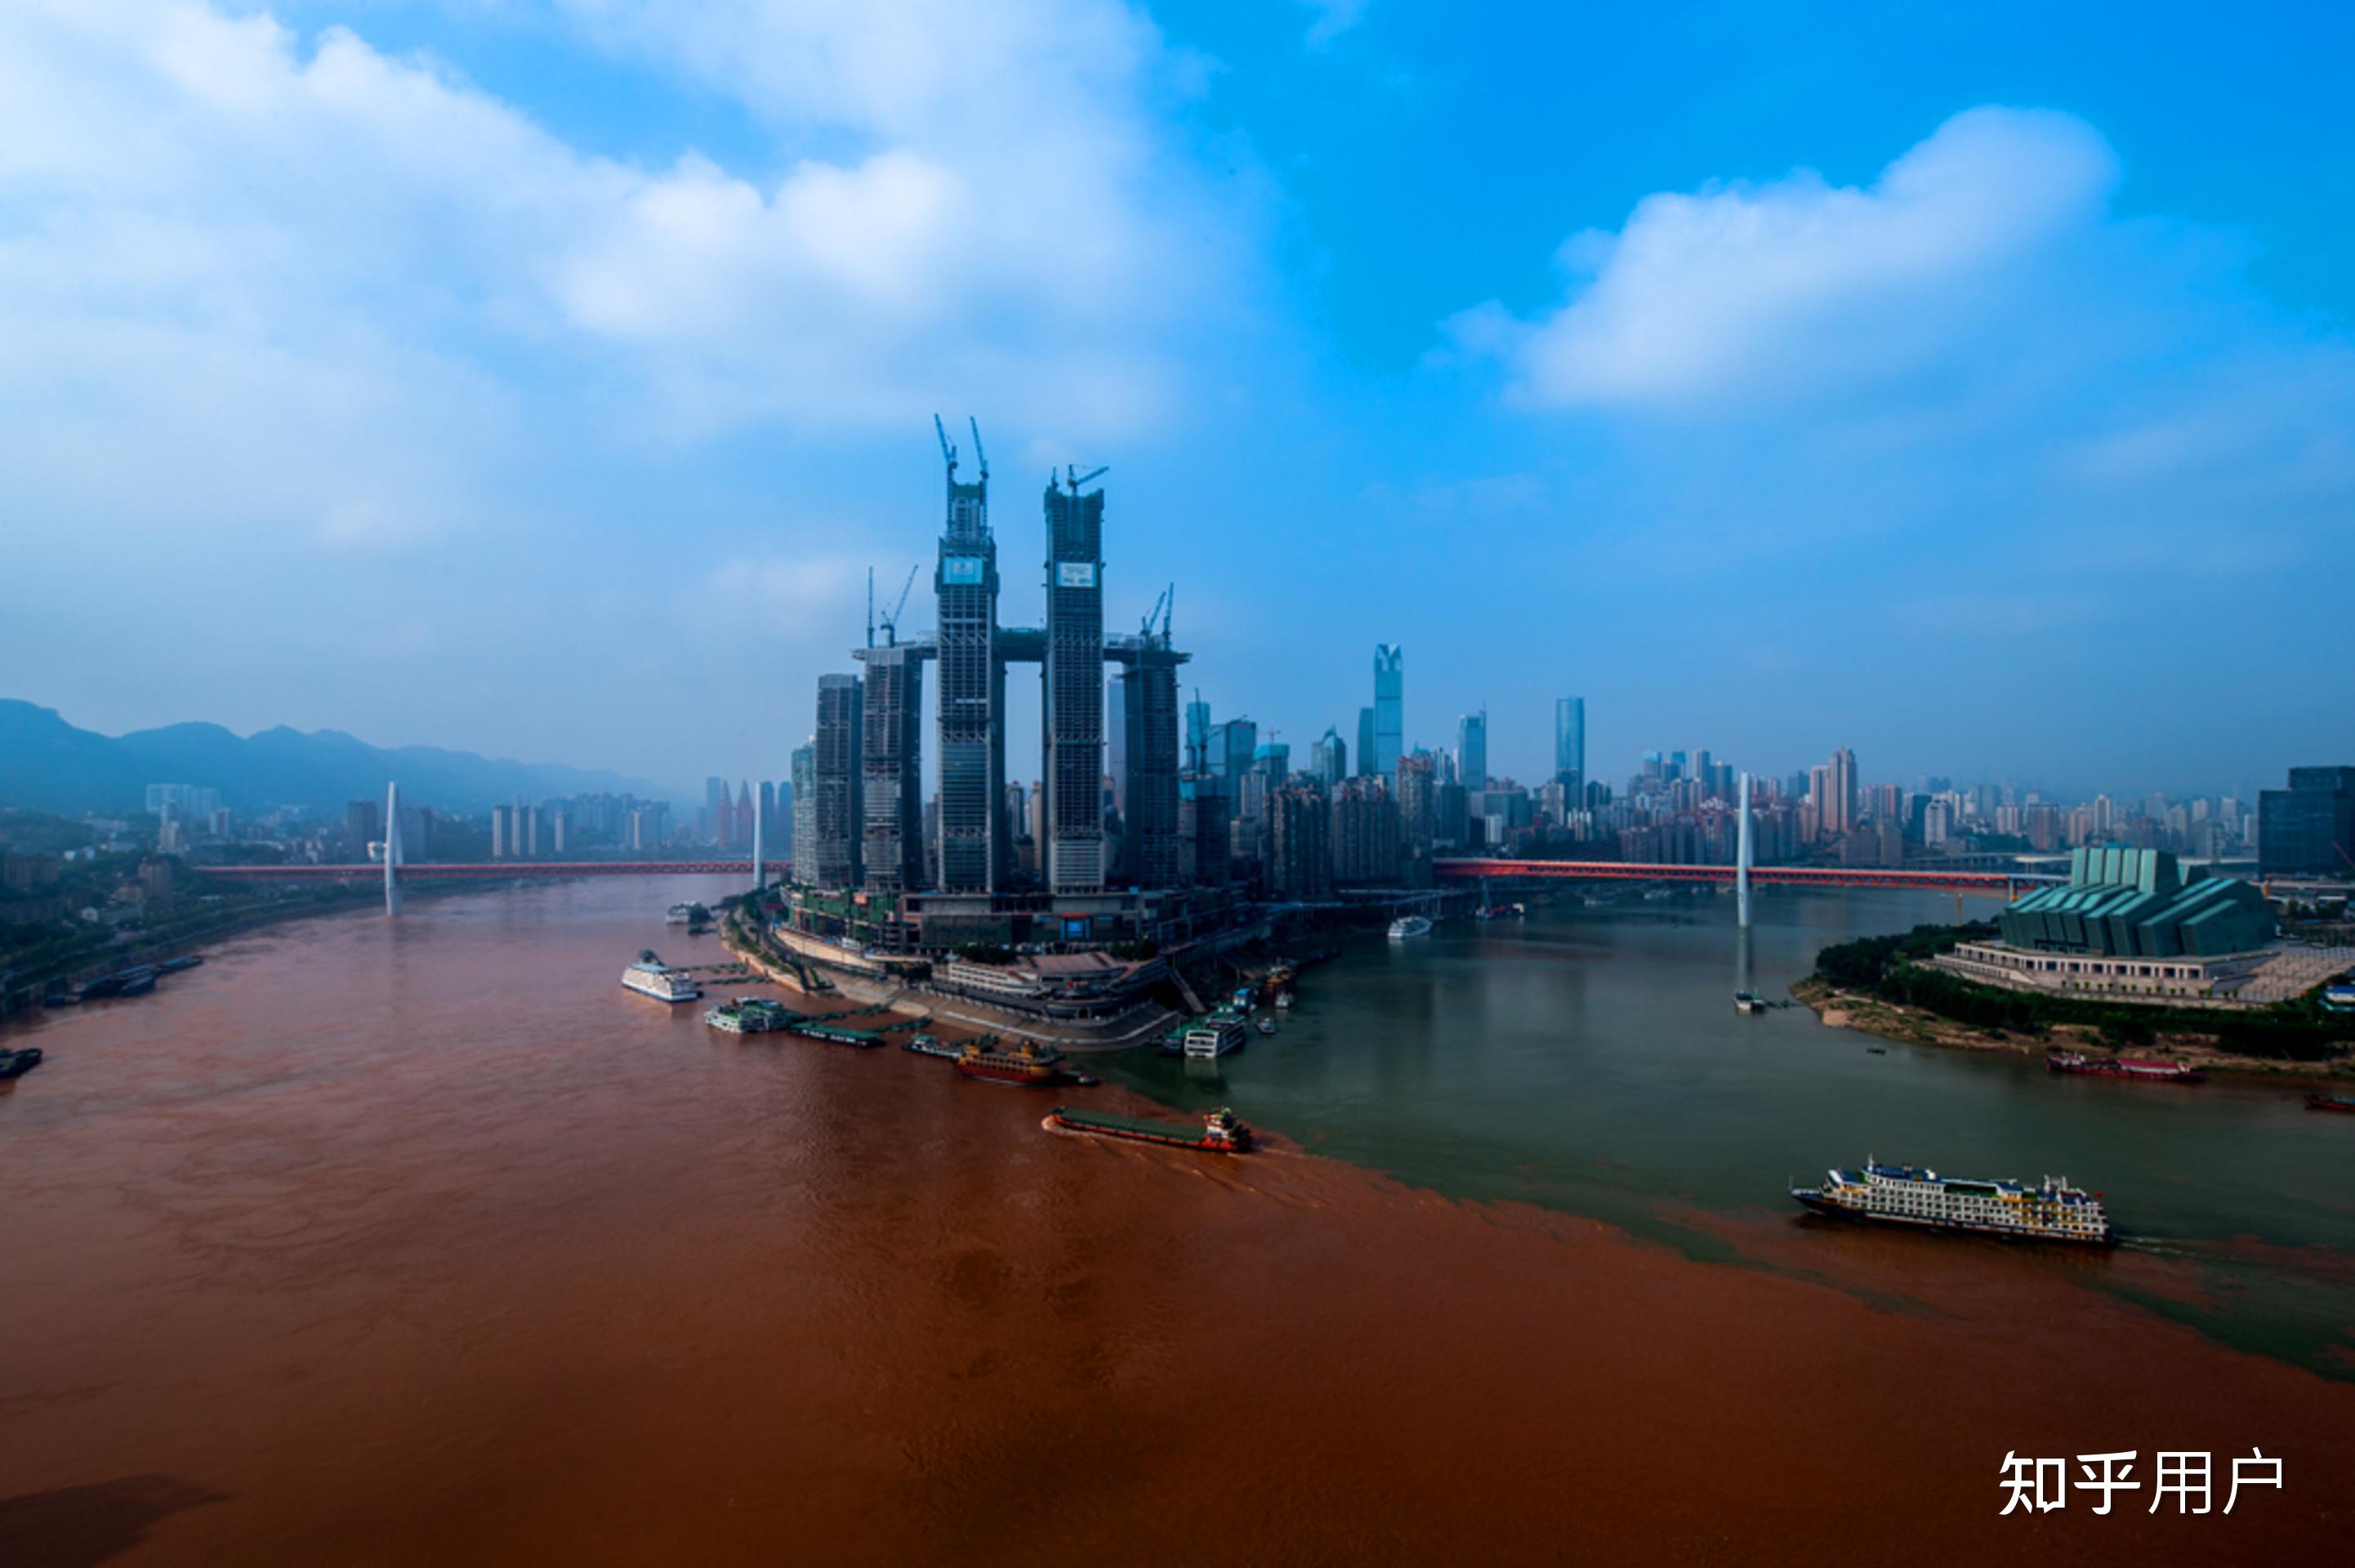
(1843, 783)
(1365, 743)
(891, 777)
(1364, 833)
(1300, 855)
(804, 853)
(1417, 802)
(837, 819)
(1146, 721)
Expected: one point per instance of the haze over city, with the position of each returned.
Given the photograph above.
(1952, 392)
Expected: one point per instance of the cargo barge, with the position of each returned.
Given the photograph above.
(2133, 1069)
(1221, 1132)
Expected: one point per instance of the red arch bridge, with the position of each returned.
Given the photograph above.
(1998, 884)
(495, 870)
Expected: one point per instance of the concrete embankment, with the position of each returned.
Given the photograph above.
(1138, 1025)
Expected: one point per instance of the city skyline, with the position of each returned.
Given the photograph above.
(535, 453)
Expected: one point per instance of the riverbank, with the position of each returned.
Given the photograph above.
(1844, 1009)
(23, 999)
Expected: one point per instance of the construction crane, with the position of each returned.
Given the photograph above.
(892, 620)
(979, 456)
(1156, 613)
(948, 452)
(1074, 477)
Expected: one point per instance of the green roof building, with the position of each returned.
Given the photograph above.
(2136, 903)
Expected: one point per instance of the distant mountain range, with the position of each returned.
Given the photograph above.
(47, 765)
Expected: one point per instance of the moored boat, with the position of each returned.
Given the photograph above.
(1747, 1002)
(2330, 1102)
(2140, 1070)
(1910, 1195)
(1407, 926)
(750, 1015)
(174, 966)
(1210, 1038)
(17, 1063)
(1221, 1131)
(652, 977)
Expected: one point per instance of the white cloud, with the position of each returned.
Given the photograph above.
(356, 274)
(1801, 286)
(1332, 19)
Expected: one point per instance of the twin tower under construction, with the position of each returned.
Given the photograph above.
(865, 820)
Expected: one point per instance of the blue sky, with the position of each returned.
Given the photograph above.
(1970, 386)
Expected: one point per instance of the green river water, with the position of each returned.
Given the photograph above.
(1589, 1059)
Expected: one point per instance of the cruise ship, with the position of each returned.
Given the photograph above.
(1407, 926)
(652, 977)
(1905, 1194)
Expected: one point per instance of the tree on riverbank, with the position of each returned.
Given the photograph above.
(1891, 968)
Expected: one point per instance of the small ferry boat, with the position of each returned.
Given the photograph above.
(680, 914)
(1408, 927)
(2330, 1102)
(1210, 1038)
(1221, 1132)
(2129, 1067)
(17, 1063)
(1028, 1065)
(652, 977)
(1264, 1025)
(1911, 1195)
(1748, 1002)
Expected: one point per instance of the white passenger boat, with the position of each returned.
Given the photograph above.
(652, 977)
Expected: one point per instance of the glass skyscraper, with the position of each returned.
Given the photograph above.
(1390, 708)
(1472, 750)
(1569, 741)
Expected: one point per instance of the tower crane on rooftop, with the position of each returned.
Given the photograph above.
(1074, 478)
(891, 618)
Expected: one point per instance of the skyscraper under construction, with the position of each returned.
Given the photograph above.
(972, 688)
(1073, 688)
